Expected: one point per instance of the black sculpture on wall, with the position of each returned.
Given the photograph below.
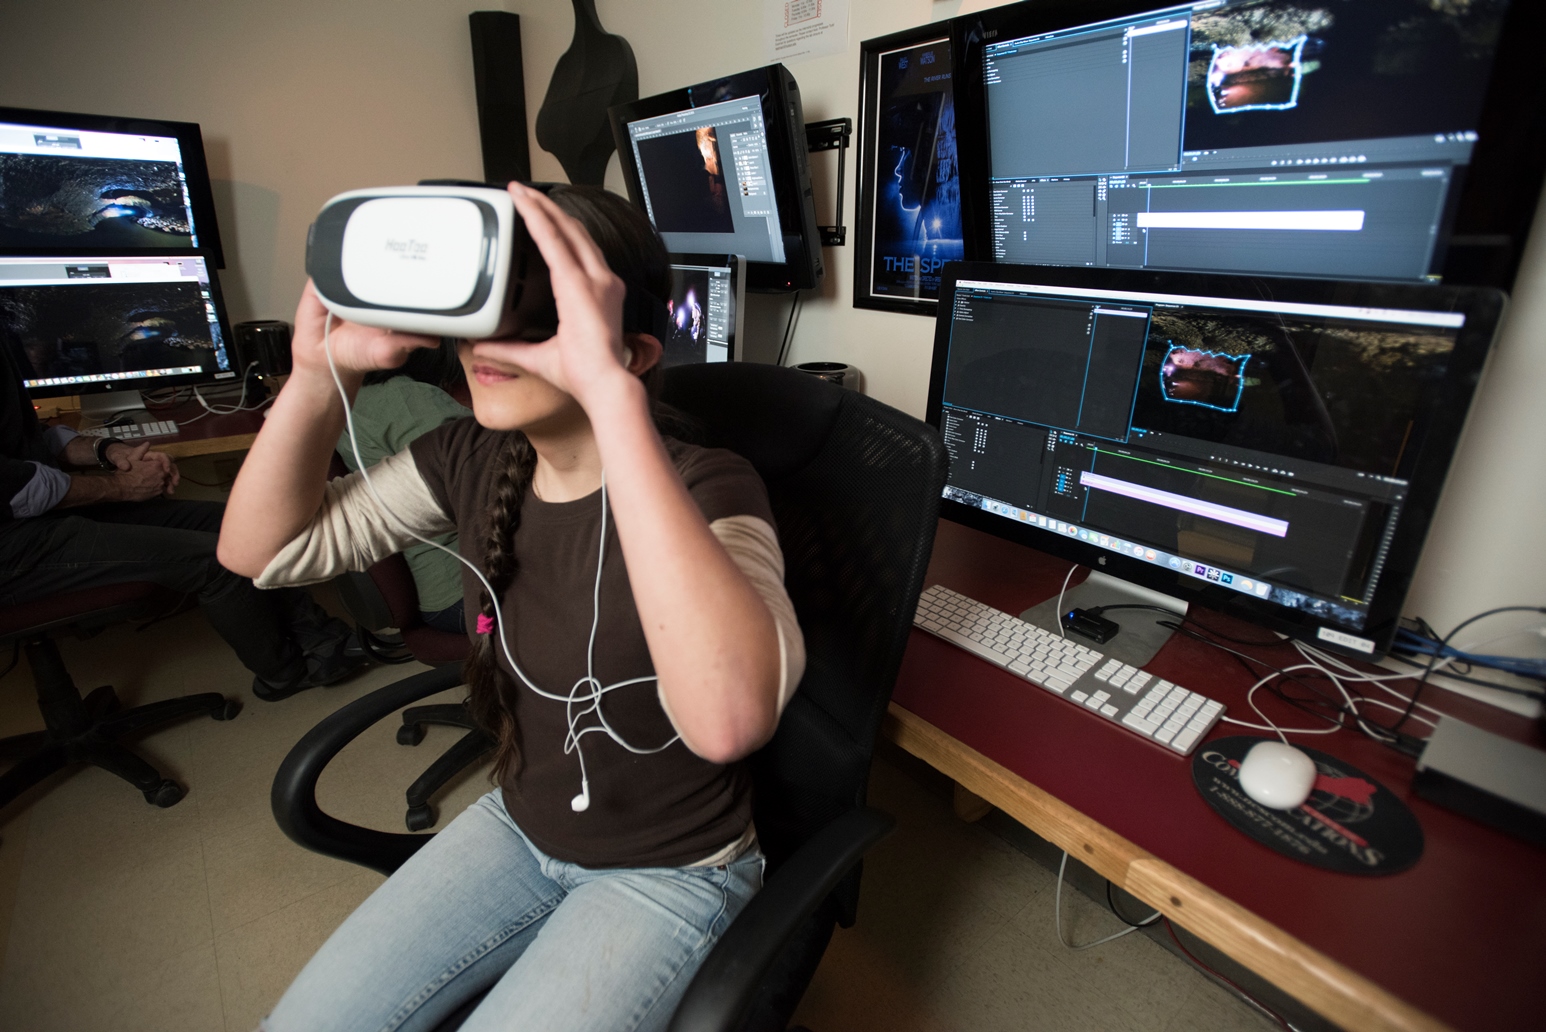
(596, 72)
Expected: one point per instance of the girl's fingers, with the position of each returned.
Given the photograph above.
(580, 242)
(538, 211)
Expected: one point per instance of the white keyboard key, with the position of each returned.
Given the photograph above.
(1078, 696)
(1164, 734)
(1109, 711)
(1185, 740)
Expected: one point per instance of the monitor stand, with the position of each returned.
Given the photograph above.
(104, 405)
(1141, 636)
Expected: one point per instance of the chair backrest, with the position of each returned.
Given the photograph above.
(855, 487)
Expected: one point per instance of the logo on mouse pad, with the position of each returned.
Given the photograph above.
(1350, 823)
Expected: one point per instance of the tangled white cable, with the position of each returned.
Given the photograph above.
(595, 689)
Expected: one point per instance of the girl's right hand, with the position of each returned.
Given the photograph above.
(356, 349)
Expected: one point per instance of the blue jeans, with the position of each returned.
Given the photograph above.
(565, 948)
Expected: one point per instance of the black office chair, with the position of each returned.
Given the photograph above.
(855, 488)
(87, 729)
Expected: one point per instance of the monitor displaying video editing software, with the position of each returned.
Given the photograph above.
(83, 183)
(86, 325)
(1235, 136)
(1269, 446)
(705, 310)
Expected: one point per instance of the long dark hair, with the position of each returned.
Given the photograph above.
(636, 255)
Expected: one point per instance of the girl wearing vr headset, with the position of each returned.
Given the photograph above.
(636, 645)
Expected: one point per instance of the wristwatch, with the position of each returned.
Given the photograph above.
(99, 449)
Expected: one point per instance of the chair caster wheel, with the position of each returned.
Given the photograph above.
(420, 817)
(168, 793)
(410, 734)
(231, 708)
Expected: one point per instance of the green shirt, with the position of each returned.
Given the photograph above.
(387, 418)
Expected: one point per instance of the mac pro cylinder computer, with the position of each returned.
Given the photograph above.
(1268, 448)
(1370, 140)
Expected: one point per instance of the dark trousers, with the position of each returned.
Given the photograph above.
(171, 544)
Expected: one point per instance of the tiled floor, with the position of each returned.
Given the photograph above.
(115, 915)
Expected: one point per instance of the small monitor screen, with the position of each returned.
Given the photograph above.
(62, 188)
(707, 179)
(1243, 136)
(80, 325)
(1262, 447)
(703, 311)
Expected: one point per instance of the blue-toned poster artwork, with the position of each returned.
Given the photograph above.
(917, 192)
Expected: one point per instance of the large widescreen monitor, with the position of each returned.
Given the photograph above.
(1376, 140)
(723, 167)
(72, 184)
(83, 325)
(1273, 448)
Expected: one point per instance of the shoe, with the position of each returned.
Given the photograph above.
(321, 669)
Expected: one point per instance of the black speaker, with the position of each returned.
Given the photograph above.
(501, 87)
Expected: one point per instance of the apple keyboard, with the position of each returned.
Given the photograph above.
(134, 431)
(1151, 707)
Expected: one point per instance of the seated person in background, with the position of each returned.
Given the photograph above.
(644, 647)
(82, 512)
(394, 408)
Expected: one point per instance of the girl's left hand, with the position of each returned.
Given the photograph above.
(587, 352)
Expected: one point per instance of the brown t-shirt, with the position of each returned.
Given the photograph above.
(668, 808)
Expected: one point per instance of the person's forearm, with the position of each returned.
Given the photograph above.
(282, 480)
(86, 489)
(712, 639)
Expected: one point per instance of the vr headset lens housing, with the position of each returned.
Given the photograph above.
(445, 261)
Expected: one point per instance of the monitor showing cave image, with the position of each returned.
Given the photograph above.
(50, 201)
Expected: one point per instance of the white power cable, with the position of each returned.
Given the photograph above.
(1061, 592)
(596, 689)
(1057, 917)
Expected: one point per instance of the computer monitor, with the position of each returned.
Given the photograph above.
(73, 184)
(1270, 448)
(706, 309)
(83, 325)
(1376, 140)
(723, 167)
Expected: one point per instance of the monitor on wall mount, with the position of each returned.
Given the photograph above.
(723, 167)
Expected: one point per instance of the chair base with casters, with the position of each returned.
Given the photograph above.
(470, 749)
(87, 729)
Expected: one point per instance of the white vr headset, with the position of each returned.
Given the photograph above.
(446, 259)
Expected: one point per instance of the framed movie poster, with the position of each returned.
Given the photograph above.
(909, 206)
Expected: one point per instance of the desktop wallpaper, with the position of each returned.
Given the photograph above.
(1343, 394)
(1277, 72)
(60, 201)
(88, 329)
(917, 225)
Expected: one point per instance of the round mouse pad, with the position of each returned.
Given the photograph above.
(1350, 823)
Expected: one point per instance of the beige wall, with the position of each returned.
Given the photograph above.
(300, 100)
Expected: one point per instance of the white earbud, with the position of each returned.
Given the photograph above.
(581, 802)
(627, 356)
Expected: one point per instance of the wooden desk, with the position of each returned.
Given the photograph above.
(1457, 941)
(210, 435)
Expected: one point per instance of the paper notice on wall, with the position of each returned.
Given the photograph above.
(797, 29)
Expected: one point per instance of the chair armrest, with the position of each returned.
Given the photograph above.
(724, 987)
(294, 795)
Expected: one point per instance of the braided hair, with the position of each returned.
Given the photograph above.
(637, 256)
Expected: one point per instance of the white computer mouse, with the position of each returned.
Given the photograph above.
(1277, 775)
